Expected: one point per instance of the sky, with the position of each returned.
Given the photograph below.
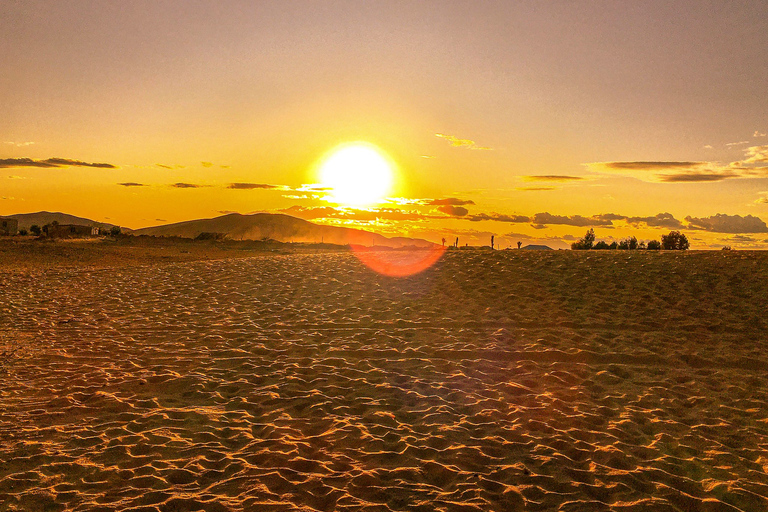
(530, 121)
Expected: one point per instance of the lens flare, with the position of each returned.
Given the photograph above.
(398, 263)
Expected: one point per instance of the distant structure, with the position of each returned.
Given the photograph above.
(533, 247)
(70, 230)
(8, 226)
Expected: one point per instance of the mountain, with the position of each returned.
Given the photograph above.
(42, 218)
(277, 226)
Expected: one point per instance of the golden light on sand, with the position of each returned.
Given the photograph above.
(398, 263)
(358, 174)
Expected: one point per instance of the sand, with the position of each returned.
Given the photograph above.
(506, 380)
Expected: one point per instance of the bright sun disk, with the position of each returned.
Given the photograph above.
(357, 173)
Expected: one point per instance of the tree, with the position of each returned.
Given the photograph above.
(674, 241)
(613, 246)
(35, 230)
(654, 245)
(585, 243)
(114, 231)
(22, 232)
(601, 245)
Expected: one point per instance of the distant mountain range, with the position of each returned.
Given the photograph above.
(280, 227)
(42, 218)
(258, 226)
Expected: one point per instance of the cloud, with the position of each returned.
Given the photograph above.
(756, 154)
(740, 239)
(646, 166)
(660, 220)
(453, 211)
(763, 199)
(132, 184)
(722, 223)
(206, 164)
(531, 189)
(498, 217)
(164, 166)
(540, 220)
(741, 142)
(552, 177)
(50, 163)
(251, 186)
(361, 215)
(24, 144)
(461, 143)
(186, 185)
(756, 134)
(708, 146)
(693, 177)
(14, 177)
(451, 201)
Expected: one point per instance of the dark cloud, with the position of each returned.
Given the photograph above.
(186, 185)
(696, 176)
(50, 163)
(498, 217)
(660, 220)
(552, 177)
(251, 186)
(164, 166)
(542, 219)
(452, 201)
(206, 164)
(722, 223)
(453, 211)
(132, 184)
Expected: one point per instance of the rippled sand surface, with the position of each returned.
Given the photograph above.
(493, 381)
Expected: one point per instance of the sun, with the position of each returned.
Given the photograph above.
(357, 174)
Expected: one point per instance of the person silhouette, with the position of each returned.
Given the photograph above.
(519, 243)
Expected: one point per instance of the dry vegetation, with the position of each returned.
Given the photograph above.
(503, 380)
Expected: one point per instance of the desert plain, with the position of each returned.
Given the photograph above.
(154, 379)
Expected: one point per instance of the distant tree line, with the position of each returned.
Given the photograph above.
(673, 241)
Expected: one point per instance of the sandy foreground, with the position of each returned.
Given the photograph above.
(506, 380)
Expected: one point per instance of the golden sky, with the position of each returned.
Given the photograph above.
(531, 121)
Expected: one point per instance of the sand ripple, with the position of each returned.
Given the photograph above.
(500, 381)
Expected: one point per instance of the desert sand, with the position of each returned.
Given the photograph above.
(495, 380)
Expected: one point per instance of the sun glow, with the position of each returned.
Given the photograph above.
(357, 174)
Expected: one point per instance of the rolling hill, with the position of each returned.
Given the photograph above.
(276, 226)
(42, 218)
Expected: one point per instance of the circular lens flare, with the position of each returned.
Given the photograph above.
(398, 263)
(357, 173)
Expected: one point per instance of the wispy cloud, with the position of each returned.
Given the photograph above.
(691, 171)
(354, 214)
(14, 177)
(536, 189)
(462, 143)
(50, 163)
(759, 134)
(186, 185)
(132, 184)
(552, 177)
(18, 144)
(740, 143)
(164, 166)
(252, 186)
(478, 217)
(763, 199)
(206, 164)
(722, 223)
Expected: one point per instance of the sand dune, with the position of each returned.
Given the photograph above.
(493, 381)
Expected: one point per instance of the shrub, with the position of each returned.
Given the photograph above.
(601, 245)
(674, 241)
(22, 232)
(35, 230)
(654, 245)
(114, 231)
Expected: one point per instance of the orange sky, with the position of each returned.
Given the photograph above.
(532, 121)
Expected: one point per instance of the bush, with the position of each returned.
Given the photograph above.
(674, 241)
(115, 231)
(22, 232)
(654, 245)
(35, 230)
(601, 245)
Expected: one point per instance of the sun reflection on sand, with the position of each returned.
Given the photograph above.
(397, 263)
